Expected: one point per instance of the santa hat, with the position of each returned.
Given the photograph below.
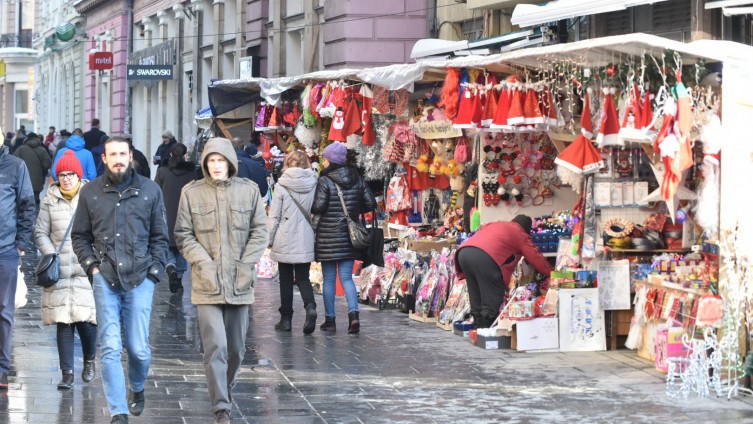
(469, 111)
(503, 109)
(490, 108)
(586, 122)
(610, 126)
(515, 114)
(531, 109)
(631, 129)
(647, 112)
(368, 129)
(549, 108)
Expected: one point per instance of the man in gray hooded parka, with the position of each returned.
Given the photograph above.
(221, 230)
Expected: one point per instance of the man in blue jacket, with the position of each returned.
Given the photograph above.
(249, 168)
(120, 238)
(19, 209)
(76, 143)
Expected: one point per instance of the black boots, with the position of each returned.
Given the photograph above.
(136, 402)
(329, 324)
(354, 325)
(310, 324)
(89, 370)
(285, 323)
(67, 382)
(176, 285)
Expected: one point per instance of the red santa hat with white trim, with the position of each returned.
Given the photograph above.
(610, 124)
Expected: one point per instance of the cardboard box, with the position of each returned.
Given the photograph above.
(426, 246)
(538, 334)
(492, 343)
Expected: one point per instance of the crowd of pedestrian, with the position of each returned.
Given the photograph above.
(118, 233)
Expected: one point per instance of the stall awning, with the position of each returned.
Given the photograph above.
(526, 15)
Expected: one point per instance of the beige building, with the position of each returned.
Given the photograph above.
(17, 60)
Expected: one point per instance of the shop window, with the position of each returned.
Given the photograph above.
(293, 53)
(671, 19)
(22, 101)
(618, 23)
(472, 28)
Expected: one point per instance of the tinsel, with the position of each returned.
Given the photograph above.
(370, 158)
(707, 209)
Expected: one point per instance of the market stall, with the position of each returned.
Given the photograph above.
(614, 144)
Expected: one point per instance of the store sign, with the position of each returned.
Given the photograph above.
(432, 130)
(150, 72)
(100, 61)
(65, 31)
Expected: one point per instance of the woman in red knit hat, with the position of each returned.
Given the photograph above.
(69, 303)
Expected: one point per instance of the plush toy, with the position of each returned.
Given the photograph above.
(422, 165)
(436, 166)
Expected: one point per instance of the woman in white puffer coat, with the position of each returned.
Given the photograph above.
(69, 303)
(291, 237)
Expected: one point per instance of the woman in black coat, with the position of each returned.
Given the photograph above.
(171, 179)
(333, 247)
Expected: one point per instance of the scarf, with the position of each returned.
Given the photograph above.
(70, 194)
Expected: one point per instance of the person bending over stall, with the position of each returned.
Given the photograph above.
(487, 260)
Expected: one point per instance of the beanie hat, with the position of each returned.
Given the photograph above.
(69, 163)
(167, 133)
(524, 221)
(252, 150)
(336, 153)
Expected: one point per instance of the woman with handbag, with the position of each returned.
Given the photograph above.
(69, 303)
(291, 237)
(341, 196)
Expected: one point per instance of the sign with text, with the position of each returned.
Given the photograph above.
(150, 72)
(431, 130)
(100, 61)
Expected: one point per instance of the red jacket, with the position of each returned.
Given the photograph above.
(503, 239)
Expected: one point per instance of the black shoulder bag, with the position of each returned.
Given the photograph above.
(359, 235)
(48, 267)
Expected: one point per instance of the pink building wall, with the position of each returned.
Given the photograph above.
(110, 16)
(375, 40)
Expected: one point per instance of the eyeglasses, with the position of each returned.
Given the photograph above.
(67, 176)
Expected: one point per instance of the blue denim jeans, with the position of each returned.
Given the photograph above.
(174, 257)
(8, 282)
(329, 274)
(135, 307)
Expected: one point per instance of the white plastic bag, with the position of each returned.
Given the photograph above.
(21, 290)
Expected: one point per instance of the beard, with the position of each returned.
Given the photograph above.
(117, 177)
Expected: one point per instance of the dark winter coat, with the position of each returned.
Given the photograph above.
(16, 201)
(250, 169)
(76, 143)
(37, 159)
(124, 233)
(92, 138)
(332, 239)
(141, 165)
(163, 151)
(171, 181)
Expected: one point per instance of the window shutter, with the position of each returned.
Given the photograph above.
(671, 19)
(618, 23)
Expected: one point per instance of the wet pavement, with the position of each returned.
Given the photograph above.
(396, 370)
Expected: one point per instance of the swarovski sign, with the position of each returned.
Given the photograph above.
(150, 72)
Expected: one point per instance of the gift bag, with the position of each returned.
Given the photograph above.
(266, 268)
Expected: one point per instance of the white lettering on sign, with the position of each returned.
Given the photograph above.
(154, 72)
(103, 61)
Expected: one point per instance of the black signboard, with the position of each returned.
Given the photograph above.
(149, 72)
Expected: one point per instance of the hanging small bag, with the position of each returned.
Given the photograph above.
(48, 267)
(359, 235)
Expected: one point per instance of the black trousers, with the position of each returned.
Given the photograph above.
(294, 274)
(486, 290)
(87, 332)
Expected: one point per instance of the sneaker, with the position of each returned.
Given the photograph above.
(176, 284)
(3, 381)
(135, 402)
(222, 417)
(119, 419)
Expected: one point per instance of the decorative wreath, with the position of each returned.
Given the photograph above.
(618, 227)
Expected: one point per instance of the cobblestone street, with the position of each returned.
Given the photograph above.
(396, 370)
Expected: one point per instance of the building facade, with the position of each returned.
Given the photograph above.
(300, 36)
(17, 59)
(61, 67)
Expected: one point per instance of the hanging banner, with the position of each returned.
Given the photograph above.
(431, 130)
